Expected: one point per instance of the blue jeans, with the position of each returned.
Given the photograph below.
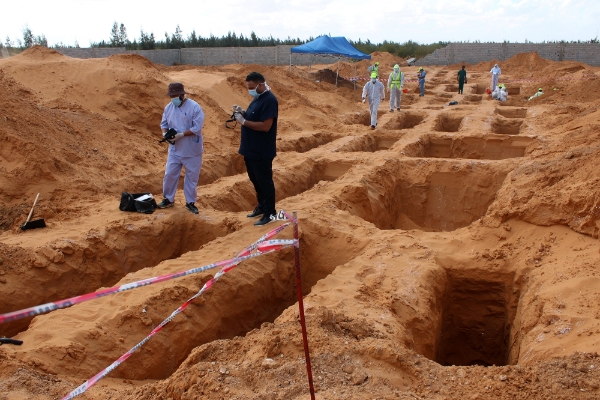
(422, 86)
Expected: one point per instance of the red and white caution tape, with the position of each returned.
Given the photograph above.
(262, 245)
(30, 312)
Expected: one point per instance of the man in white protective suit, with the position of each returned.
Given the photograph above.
(495, 75)
(395, 85)
(375, 91)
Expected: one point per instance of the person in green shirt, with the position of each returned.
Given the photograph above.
(462, 79)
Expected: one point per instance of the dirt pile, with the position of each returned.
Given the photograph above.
(452, 252)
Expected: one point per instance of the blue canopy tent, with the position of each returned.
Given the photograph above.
(327, 45)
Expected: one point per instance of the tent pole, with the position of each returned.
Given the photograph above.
(338, 72)
(355, 76)
(290, 61)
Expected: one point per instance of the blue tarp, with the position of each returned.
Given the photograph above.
(338, 46)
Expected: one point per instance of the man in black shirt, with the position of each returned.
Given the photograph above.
(462, 79)
(259, 132)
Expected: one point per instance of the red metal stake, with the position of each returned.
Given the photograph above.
(301, 307)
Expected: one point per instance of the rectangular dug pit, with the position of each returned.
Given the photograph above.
(476, 320)
(512, 112)
(478, 88)
(305, 142)
(451, 88)
(477, 148)
(369, 143)
(404, 120)
(448, 123)
(504, 126)
(438, 196)
(236, 193)
(473, 98)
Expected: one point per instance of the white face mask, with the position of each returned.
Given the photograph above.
(373, 80)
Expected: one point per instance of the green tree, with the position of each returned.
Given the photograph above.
(41, 40)
(147, 41)
(114, 35)
(123, 40)
(118, 35)
(27, 37)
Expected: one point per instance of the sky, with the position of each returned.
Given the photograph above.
(425, 21)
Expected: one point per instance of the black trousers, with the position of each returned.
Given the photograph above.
(260, 173)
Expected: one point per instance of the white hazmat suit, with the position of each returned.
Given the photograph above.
(495, 74)
(500, 94)
(395, 83)
(375, 92)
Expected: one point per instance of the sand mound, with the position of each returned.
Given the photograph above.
(452, 252)
(41, 53)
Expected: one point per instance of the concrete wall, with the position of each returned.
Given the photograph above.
(473, 53)
(274, 55)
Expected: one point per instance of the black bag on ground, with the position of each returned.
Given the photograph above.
(129, 203)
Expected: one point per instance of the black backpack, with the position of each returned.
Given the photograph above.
(129, 203)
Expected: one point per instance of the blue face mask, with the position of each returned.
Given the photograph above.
(254, 93)
(176, 101)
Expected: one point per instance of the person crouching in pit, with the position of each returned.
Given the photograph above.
(257, 145)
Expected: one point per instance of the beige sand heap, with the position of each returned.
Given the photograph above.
(452, 253)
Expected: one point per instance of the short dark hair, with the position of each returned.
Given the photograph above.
(255, 77)
(463, 66)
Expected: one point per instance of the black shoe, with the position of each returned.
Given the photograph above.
(257, 211)
(165, 203)
(392, 110)
(372, 126)
(265, 219)
(192, 207)
(398, 108)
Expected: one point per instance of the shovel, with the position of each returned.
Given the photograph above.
(38, 223)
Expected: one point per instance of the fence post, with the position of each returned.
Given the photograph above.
(301, 306)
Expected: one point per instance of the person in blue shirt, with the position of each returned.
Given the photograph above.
(421, 76)
(186, 117)
(257, 145)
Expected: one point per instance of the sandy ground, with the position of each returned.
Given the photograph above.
(451, 253)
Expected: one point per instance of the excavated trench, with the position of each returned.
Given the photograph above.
(473, 98)
(370, 143)
(362, 117)
(451, 88)
(477, 319)
(69, 267)
(504, 126)
(404, 120)
(478, 88)
(512, 112)
(513, 90)
(448, 123)
(215, 166)
(477, 148)
(304, 143)
(258, 291)
(237, 194)
(425, 194)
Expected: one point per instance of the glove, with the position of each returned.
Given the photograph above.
(364, 99)
(238, 109)
(177, 136)
(239, 118)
